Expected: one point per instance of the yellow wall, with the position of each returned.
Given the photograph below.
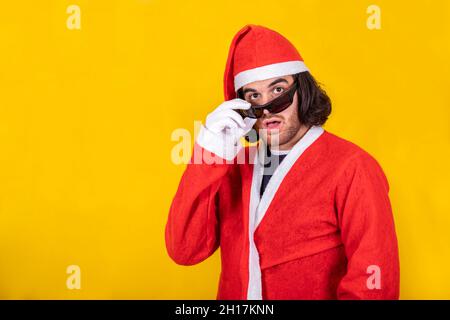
(86, 118)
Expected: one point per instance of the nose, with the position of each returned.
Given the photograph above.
(266, 114)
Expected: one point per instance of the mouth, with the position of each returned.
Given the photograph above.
(272, 124)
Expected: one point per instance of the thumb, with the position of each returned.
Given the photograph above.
(249, 123)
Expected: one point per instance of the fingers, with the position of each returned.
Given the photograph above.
(233, 115)
(223, 123)
(235, 104)
(242, 104)
(226, 117)
(249, 122)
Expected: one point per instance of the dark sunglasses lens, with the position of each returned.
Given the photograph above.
(247, 113)
(280, 104)
(258, 112)
(277, 105)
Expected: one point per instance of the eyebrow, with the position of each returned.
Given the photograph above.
(270, 85)
(278, 81)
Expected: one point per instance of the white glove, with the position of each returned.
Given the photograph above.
(223, 129)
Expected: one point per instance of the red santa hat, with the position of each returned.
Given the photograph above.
(258, 53)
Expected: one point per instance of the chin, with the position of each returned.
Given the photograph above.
(278, 137)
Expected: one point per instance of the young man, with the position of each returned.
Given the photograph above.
(314, 224)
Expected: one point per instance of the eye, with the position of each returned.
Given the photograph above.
(253, 96)
(278, 90)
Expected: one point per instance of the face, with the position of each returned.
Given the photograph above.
(279, 128)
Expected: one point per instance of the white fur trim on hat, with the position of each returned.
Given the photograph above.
(269, 71)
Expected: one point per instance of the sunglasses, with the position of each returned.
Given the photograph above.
(275, 106)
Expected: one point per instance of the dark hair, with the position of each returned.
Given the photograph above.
(314, 103)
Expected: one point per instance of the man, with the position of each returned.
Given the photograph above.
(318, 225)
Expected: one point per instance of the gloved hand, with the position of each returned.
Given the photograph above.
(224, 127)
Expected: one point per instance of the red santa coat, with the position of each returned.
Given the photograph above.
(323, 224)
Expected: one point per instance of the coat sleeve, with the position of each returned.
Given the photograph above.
(191, 232)
(368, 232)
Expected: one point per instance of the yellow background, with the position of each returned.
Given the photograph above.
(86, 118)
